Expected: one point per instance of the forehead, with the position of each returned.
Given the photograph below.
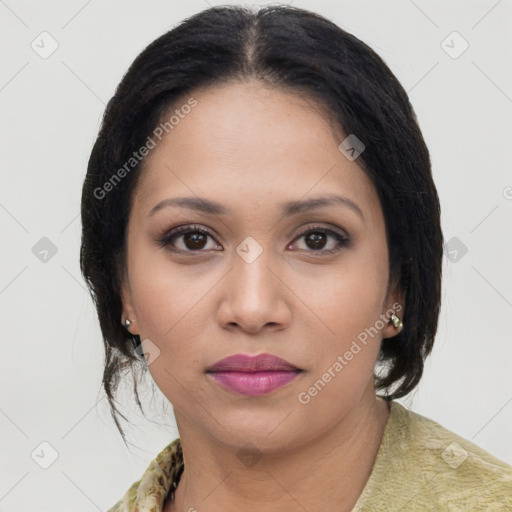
(246, 140)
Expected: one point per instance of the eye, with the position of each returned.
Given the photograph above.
(317, 238)
(194, 238)
(191, 238)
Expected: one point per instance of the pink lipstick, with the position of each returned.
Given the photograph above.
(253, 375)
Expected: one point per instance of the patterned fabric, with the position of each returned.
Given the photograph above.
(420, 466)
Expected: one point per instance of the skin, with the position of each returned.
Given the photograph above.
(250, 147)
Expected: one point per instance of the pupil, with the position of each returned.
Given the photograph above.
(318, 240)
(195, 239)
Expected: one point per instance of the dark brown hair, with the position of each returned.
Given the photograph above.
(287, 47)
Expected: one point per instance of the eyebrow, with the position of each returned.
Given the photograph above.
(288, 208)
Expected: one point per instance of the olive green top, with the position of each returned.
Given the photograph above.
(420, 466)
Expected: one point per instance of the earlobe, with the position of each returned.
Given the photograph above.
(394, 314)
(128, 318)
(395, 323)
(129, 323)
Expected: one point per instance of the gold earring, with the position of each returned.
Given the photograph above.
(395, 320)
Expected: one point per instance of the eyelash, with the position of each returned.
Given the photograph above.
(343, 240)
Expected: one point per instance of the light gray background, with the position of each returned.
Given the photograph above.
(51, 349)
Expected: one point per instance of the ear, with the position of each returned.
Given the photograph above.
(128, 309)
(395, 303)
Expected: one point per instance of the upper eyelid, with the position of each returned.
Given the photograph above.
(329, 228)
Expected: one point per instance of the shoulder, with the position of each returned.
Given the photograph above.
(160, 478)
(125, 504)
(423, 466)
(457, 470)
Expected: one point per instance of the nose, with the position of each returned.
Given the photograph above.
(254, 297)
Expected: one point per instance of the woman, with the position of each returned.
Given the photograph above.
(261, 230)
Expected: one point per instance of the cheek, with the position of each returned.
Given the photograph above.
(168, 307)
(348, 297)
(348, 339)
(346, 304)
(173, 308)
(163, 298)
(163, 291)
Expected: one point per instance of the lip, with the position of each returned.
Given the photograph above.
(254, 383)
(247, 363)
(253, 375)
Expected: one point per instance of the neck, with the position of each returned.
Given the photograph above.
(326, 473)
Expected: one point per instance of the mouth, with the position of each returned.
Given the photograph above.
(253, 375)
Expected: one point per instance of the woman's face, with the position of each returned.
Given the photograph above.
(307, 284)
